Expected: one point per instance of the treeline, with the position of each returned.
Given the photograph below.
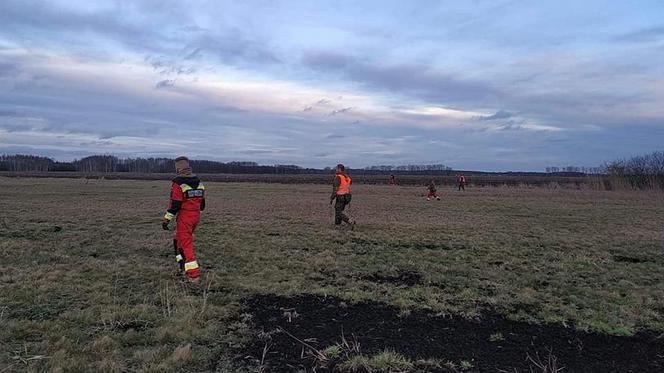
(19, 163)
(409, 168)
(575, 169)
(109, 164)
(640, 172)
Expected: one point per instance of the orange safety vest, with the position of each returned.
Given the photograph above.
(344, 185)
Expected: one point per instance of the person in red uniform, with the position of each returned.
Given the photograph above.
(187, 202)
(462, 182)
(432, 191)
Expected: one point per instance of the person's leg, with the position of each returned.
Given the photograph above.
(346, 200)
(347, 216)
(339, 206)
(179, 258)
(186, 226)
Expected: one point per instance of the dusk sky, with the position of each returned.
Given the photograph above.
(484, 85)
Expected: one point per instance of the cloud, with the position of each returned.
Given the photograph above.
(501, 114)
(256, 151)
(11, 113)
(230, 46)
(194, 54)
(166, 83)
(565, 92)
(153, 27)
(341, 111)
(29, 17)
(522, 125)
(169, 67)
(420, 81)
(655, 33)
(193, 28)
(8, 68)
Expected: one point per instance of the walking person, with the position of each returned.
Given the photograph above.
(341, 192)
(462, 182)
(186, 203)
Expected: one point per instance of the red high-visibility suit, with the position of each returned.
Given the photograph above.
(187, 202)
(462, 182)
(432, 191)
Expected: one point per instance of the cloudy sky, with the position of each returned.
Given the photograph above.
(491, 85)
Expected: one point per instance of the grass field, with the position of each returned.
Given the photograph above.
(523, 276)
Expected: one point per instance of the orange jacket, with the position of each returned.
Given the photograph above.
(344, 184)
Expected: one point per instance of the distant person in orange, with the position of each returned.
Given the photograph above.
(393, 180)
(342, 194)
(432, 191)
(462, 182)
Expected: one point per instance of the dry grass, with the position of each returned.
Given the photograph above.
(88, 279)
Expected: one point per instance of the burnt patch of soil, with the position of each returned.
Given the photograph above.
(629, 259)
(322, 321)
(401, 278)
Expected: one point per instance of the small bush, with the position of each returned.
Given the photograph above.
(332, 352)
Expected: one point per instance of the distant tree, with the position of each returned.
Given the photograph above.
(640, 172)
(409, 168)
(97, 163)
(20, 162)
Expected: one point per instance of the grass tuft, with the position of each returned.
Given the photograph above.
(182, 353)
(386, 361)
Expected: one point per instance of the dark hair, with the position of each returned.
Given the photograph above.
(181, 158)
(341, 167)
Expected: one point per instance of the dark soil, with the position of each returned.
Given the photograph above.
(629, 259)
(321, 322)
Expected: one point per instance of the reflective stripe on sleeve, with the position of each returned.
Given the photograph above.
(190, 266)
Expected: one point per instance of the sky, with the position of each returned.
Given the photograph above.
(481, 85)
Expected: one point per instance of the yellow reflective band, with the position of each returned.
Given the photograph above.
(201, 187)
(168, 216)
(185, 187)
(190, 266)
(178, 258)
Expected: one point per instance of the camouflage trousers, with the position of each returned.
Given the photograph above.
(339, 207)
